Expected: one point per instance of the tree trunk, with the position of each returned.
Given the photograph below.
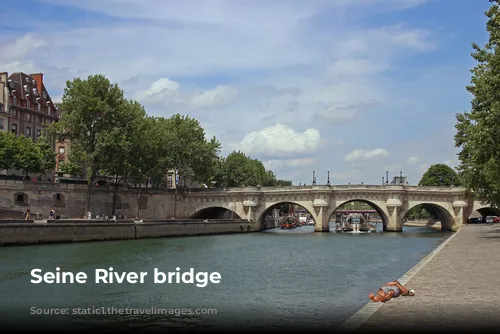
(89, 191)
(175, 203)
(115, 191)
(113, 207)
(139, 200)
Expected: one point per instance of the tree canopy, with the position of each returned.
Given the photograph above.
(440, 175)
(477, 130)
(23, 154)
(238, 169)
(113, 136)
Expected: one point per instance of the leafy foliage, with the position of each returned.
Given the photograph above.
(238, 169)
(8, 150)
(112, 135)
(477, 130)
(440, 175)
(23, 154)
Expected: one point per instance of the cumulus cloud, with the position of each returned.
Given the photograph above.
(280, 141)
(165, 91)
(412, 160)
(285, 163)
(361, 154)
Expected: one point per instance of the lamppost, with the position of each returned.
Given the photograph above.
(328, 179)
(314, 178)
(387, 177)
(382, 180)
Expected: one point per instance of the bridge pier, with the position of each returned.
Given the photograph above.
(395, 223)
(321, 221)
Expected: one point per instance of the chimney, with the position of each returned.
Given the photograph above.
(39, 81)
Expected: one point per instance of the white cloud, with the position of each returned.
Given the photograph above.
(361, 154)
(165, 91)
(280, 141)
(413, 160)
(279, 164)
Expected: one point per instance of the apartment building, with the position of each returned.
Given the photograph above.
(4, 116)
(27, 104)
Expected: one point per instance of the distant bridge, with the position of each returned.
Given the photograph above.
(391, 202)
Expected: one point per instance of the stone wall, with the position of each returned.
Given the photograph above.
(23, 232)
(68, 200)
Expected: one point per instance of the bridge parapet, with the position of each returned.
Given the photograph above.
(326, 188)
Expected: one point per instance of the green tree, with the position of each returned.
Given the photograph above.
(28, 158)
(92, 109)
(283, 183)
(8, 150)
(238, 169)
(185, 149)
(118, 145)
(477, 130)
(147, 153)
(46, 153)
(440, 175)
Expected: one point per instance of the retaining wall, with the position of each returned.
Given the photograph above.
(23, 232)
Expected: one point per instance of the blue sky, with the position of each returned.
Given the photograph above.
(351, 87)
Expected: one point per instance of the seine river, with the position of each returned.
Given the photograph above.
(269, 279)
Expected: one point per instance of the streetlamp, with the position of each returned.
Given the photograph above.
(387, 177)
(382, 180)
(328, 180)
(314, 178)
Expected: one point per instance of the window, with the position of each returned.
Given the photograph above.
(28, 105)
(170, 181)
(28, 117)
(39, 119)
(38, 133)
(28, 132)
(39, 107)
(15, 100)
(14, 129)
(61, 150)
(1, 123)
(13, 112)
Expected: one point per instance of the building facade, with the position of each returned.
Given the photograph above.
(26, 107)
(4, 116)
(28, 104)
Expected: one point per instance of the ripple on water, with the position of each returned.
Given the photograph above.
(269, 278)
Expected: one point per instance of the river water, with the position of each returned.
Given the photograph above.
(270, 279)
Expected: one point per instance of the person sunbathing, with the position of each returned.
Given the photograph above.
(389, 291)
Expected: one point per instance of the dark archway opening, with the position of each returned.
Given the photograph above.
(358, 216)
(484, 215)
(429, 215)
(287, 216)
(215, 213)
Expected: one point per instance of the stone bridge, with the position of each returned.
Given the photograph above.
(392, 203)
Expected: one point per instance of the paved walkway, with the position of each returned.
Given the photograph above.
(459, 289)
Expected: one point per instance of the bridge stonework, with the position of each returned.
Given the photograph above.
(391, 202)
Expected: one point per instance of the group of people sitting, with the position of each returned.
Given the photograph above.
(391, 290)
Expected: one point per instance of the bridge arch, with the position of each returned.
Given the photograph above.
(215, 212)
(437, 212)
(267, 213)
(384, 215)
(482, 211)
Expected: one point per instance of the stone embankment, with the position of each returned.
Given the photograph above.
(23, 232)
(456, 290)
(423, 223)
